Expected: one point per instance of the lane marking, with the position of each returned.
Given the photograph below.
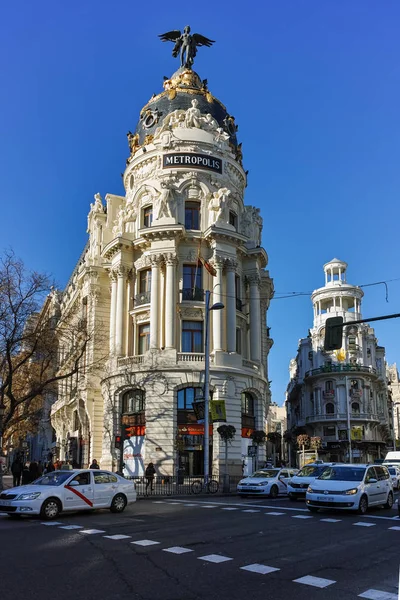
(331, 520)
(318, 582)
(257, 568)
(177, 550)
(71, 527)
(190, 505)
(247, 505)
(361, 524)
(52, 523)
(208, 506)
(159, 502)
(251, 510)
(378, 595)
(92, 531)
(276, 514)
(145, 542)
(394, 528)
(302, 517)
(117, 536)
(229, 508)
(214, 558)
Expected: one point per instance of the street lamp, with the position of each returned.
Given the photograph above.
(216, 306)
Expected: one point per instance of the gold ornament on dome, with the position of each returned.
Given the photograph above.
(148, 139)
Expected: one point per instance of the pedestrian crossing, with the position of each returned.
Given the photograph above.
(217, 558)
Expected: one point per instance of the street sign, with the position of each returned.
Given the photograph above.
(252, 451)
(199, 410)
(218, 412)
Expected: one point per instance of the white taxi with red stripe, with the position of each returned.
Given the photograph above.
(266, 482)
(60, 491)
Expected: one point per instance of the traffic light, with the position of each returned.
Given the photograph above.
(118, 442)
(333, 333)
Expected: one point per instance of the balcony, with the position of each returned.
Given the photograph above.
(340, 369)
(127, 361)
(329, 394)
(143, 298)
(343, 417)
(250, 364)
(190, 357)
(192, 295)
(239, 305)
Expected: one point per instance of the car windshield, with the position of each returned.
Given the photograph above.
(54, 478)
(311, 471)
(342, 474)
(266, 473)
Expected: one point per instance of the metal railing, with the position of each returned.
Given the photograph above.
(181, 485)
(125, 361)
(343, 417)
(193, 294)
(191, 356)
(143, 298)
(340, 369)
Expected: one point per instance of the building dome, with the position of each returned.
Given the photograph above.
(184, 86)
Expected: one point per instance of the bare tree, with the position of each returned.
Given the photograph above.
(33, 335)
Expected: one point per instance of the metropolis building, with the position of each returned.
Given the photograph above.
(181, 228)
(334, 395)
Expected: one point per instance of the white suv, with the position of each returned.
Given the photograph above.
(351, 487)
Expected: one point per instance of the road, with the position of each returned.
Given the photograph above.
(202, 548)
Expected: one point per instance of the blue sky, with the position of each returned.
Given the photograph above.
(314, 87)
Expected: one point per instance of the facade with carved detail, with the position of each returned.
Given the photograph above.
(334, 395)
(181, 228)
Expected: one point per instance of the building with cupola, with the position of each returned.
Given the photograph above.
(180, 228)
(340, 395)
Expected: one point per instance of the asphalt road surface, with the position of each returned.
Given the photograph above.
(202, 548)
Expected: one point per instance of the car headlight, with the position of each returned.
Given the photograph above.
(351, 492)
(310, 490)
(31, 496)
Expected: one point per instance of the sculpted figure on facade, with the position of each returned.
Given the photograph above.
(133, 142)
(93, 227)
(193, 115)
(218, 206)
(165, 200)
(97, 206)
(119, 223)
(251, 224)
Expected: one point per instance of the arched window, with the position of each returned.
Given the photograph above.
(329, 408)
(186, 397)
(248, 411)
(133, 401)
(355, 408)
(329, 385)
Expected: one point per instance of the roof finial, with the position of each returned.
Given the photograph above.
(185, 44)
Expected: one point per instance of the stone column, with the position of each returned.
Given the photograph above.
(255, 318)
(230, 306)
(113, 309)
(128, 319)
(120, 313)
(170, 301)
(217, 297)
(154, 302)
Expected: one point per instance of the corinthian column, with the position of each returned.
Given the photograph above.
(170, 301)
(230, 266)
(255, 318)
(154, 302)
(119, 321)
(113, 309)
(217, 297)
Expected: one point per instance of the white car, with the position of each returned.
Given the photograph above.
(297, 486)
(61, 491)
(266, 482)
(351, 487)
(395, 476)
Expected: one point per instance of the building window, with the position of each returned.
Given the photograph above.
(329, 408)
(185, 398)
(355, 408)
(329, 385)
(144, 338)
(133, 402)
(233, 220)
(192, 283)
(147, 215)
(238, 340)
(329, 431)
(145, 281)
(248, 411)
(354, 384)
(238, 293)
(192, 336)
(192, 215)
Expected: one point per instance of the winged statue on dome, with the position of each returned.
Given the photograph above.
(185, 44)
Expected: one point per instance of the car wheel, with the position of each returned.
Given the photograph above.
(313, 509)
(274, 492)
(363, 506)
(118, 503)
(389, 502)
(51, 508)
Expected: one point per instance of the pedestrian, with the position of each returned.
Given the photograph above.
(26, 476)
(40, 468)
(33, 471)
(49, 468)
(16, 470)
(94, 465)
(149, 474)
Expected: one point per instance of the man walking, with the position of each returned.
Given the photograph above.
(16, 470)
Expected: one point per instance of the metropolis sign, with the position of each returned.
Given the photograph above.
(188, 159)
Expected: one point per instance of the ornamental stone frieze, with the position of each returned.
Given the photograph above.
(230, 264)
(253, 279)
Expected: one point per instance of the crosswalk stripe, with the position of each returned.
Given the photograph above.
(318, 582)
